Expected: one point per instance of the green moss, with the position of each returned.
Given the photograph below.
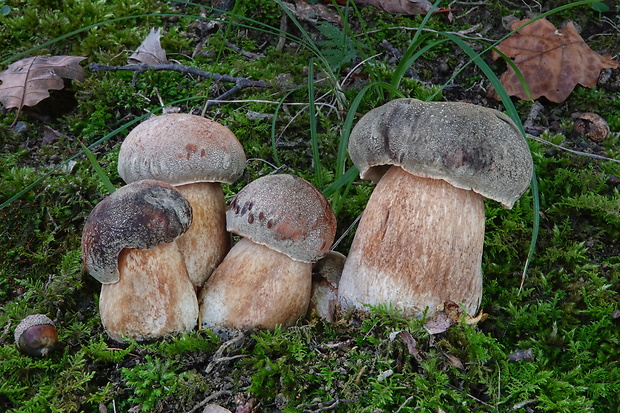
(566, 313)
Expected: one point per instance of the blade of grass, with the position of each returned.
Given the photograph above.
(343, 180)
(514, 115)
(314, 140)
(103, 177)
(347, 126)
(92, 145)
(418, 38)
(514, 67)
(274, 121)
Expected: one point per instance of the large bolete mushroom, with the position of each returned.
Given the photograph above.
(128, 245)
(265, 280)
(419, 242)
(195, 155)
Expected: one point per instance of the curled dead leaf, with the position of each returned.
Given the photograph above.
(552, 61)
(409, 341)
(407, 7)
(28, 81)
(450, 313)
(150, 51)
(454, 361)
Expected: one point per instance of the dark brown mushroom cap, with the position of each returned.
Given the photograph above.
(285, 213)
(469, 146)
(140, 215)
(181, 149)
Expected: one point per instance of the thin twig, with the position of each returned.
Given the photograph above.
(240, 82)
(461, 34)
(344, 234)
(322, 407)
(404, 404)
(208, 399)
(589, 155)
(217, 357)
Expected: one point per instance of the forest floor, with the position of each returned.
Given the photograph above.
(550, 344)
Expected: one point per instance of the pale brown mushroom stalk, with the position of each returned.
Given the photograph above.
(128, 244)
(265, 280)
(326, 274)
(195, 155)
(420, 240)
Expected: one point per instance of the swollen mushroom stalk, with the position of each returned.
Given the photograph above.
(265, 280)
(420, 240)
(128, 244)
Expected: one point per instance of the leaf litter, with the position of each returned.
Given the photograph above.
(552, 61)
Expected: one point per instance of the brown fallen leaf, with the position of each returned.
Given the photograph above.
(448, 314)
(28, 81)
(150, 51)
(407, 7)
(552, 61)
(409, 341)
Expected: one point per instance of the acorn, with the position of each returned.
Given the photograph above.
(36, 335)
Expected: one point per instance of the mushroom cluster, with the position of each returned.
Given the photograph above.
(419, 242)
(161, 245)
(163, 238)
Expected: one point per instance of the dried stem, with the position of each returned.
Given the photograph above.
(240, 82)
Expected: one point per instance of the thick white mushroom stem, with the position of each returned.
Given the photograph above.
(255, 287)
(206, 242)
(153, 298)
(418, 244)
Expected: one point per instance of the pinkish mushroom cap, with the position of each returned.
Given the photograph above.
(180, 149)
(285, 213)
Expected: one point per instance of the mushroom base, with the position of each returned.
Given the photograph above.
(206, 242)
(153, 298)
(255, 287)
(418, 245)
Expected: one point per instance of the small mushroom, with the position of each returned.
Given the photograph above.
(326, 274)
(195, 155)
(36, 335)
(265, 280)
(128, 245)
(419, 242)
(590, 125)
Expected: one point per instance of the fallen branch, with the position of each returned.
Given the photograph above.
(240, 82)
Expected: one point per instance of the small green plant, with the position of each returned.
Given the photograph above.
(151, 381)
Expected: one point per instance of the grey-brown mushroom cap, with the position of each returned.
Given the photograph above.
(180, 149)
(469, 146)
(285, 213)
(140, 215)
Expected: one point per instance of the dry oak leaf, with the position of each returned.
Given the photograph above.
(150, 51)
(28, 81)
(406, 7)
(552, 61)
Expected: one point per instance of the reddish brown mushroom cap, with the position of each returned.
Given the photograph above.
(180, 149)
(469, 146)
(285, 213)
(140, 215)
